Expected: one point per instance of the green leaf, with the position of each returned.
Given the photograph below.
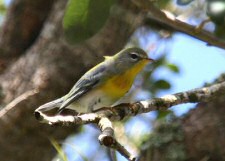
(163, 3)
(2, 7)
(159, 62)
(173, 68)
(219, 31)
(162, 84)
(59, 149)
(84, 18)
(163, 114)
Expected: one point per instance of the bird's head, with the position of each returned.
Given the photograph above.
(131, 59)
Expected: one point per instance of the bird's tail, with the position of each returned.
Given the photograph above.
(50, 105)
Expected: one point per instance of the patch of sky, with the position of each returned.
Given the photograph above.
(198, 63)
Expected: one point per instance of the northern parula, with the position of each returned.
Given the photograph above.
(104, 84)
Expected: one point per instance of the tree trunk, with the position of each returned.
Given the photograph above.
(204, 131)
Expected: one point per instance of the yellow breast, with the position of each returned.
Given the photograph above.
(119, 85)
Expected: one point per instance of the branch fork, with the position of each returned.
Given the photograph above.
(103, 117)
(106, 137)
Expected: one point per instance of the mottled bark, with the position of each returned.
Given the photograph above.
(204, 131)
(47, 70)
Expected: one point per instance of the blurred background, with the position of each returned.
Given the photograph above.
(182, 63)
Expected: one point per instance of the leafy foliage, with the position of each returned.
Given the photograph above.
(162, 84)
(164, 114)
(173, 67)
(153, 84)
(84, 18)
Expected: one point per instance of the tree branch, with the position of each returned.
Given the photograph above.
(159, 16)
(118, 112)
(107, 138)
(103, 116)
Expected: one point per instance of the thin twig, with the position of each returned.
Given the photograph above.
(19, 100)
(161, 17)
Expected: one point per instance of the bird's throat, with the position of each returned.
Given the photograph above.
(120, 84)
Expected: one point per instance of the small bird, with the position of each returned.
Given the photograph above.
(104, 84)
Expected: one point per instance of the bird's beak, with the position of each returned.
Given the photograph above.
(150, 59)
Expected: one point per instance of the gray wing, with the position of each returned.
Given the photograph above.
(89, 81)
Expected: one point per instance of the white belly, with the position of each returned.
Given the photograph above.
(92, 101)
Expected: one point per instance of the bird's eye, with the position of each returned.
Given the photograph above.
(133, 56)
